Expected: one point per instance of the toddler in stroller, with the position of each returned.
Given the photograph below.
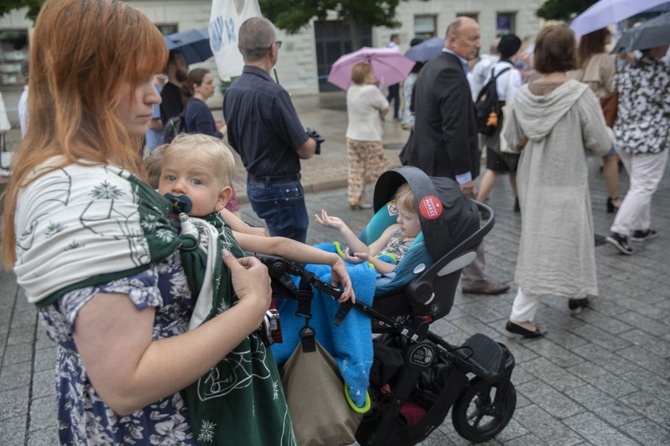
(416, 377)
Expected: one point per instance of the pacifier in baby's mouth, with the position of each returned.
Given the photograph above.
(180, 203)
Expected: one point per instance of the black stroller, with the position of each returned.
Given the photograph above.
(417, 376)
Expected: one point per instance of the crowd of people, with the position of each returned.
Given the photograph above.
(118, 287)
(557, 94)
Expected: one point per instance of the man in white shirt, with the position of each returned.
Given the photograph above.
(482, 69)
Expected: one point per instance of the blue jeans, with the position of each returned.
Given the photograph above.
(282, 206)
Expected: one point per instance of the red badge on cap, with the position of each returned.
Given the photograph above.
(430, 207)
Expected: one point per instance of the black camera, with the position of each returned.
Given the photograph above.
(316, 136)
(270, 328)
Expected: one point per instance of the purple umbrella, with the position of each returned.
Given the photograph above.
(389, 66)
(608, 12)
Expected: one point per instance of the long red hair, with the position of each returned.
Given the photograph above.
(85, 55)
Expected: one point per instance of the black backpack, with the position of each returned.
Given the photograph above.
(173, 127)
(488, 104)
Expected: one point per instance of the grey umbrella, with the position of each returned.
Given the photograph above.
(649, 34)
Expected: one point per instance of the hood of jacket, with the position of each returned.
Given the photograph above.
(538, 115)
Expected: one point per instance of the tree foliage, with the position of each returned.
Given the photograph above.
(563, 9)
(292, 15)
(33, 7)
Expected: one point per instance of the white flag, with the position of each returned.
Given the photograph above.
(224, 26)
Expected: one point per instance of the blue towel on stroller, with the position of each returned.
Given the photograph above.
(350, 343)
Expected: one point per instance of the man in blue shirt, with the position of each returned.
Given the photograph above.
(263, 127)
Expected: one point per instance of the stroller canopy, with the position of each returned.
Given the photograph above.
(447, 217)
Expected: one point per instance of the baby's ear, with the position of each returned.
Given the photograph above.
(224, 197)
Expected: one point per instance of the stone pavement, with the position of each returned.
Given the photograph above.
(599, 378)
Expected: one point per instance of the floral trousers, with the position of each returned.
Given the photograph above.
(367, 161)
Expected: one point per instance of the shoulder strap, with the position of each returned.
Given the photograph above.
(504, 70)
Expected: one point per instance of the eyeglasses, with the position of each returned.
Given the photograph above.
(278, 43)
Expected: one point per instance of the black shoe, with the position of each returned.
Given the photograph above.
(517, 208)
(620, 242)
(511, 329)
(360, 206)
(576, 305)
(640, 236)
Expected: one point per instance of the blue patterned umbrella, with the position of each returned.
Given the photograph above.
(426, 50)
(193, 44)
(649, 34)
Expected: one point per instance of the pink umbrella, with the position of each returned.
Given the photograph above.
(389, 66)
(608, 12)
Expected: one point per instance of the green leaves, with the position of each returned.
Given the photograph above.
(32, 5)
(292, 15)
(563, 9)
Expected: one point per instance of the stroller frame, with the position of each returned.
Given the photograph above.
(467, 374)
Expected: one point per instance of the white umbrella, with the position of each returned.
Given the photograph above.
(607, 12)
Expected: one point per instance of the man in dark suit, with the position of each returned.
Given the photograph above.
(444, 142)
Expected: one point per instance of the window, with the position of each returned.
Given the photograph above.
(425, 26)
(167, 28)
(505, 23)
(13, 51)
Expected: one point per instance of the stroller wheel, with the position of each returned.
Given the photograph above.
(474, 414)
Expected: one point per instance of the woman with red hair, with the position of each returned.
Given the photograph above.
(92, 247)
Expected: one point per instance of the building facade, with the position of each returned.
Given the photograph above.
(306, 57)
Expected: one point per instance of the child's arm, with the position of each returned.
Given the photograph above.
(376, 247)
(380, 266)
(238, 225)
(301, 253)
(355, 245)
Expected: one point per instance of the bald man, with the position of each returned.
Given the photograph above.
(444, 142)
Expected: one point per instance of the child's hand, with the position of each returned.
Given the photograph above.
(352, 258)
(363, 256)
(329, 221)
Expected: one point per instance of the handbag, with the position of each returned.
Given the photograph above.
(506, 113)
(609, 102)
(610, 105)
(316, 396)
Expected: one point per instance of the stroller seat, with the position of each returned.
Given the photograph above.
(424, 282)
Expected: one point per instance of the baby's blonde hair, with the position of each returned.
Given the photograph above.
(186, 147)
(404, 198)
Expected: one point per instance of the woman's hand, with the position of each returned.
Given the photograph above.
(340, 275)
(250, 281)
(329, 221)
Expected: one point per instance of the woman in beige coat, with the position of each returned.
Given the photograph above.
(597, 69)
(557, 120)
